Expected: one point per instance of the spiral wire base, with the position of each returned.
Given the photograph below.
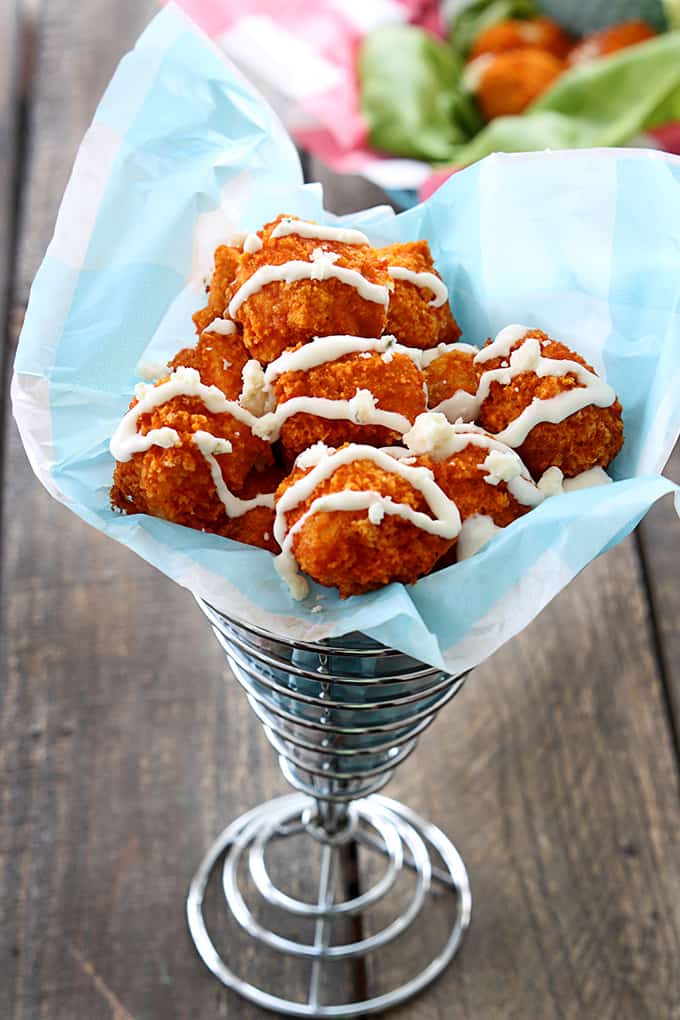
(341, 715)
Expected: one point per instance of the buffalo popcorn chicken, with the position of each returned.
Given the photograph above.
(297, 280)
(545, 401)
(452, 377)
(358, 518)
(518, 34)
(227, 259)
(357, 456)
(611, 40)
(505, 84)
(418, 314)
(219, 357)
(376, 389)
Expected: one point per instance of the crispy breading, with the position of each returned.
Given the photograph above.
(396, 384)
(410, 317)
(283, 315)
(463, 481)
(176, 483)
(344, 549)
(517, 34)
(227, 260)
(219, 361)
(589, 438)
(256, 526)
(452, 371)
(511, 81)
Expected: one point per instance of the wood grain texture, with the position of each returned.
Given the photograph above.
(9, 99)
(660, 546)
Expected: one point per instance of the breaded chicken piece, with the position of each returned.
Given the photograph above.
(396, 385)
(219, 361)
(410, 316)
(256, 526)
(176, 483)
(282, 315)
(463, 479)
(507, 83)
(589, 438)
(343, 549)
(447, 375)
(227, 261)
(518, 34)
(611, 40)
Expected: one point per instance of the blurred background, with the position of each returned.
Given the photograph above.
(124, 748)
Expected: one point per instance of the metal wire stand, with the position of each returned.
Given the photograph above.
(341, 715)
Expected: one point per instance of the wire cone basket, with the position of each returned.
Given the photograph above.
(341, 715)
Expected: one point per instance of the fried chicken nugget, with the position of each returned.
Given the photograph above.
(611, 40)
(517, 34)
(227, 261)
(176, 483)
(345, 549)
(218, 359)
(394, 382)
(256, 526)
(588, 438)
(280, 315)
(411, 316)
(488, 482)
(449, 377)
(505, 84)
(464, 479)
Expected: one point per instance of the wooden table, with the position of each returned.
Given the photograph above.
(123, 750)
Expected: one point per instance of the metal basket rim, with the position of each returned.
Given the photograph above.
(323, 647)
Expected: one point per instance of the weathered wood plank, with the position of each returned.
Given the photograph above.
(9, 100)
(660, 546)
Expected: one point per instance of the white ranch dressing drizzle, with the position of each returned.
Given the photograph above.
(427, 281)
(503, 344)
(150, 370)
(324, 349)
(434, 435)
(528, 358)
(445, 523)
(255, 395)
(164, 437)
(184, 382)
(321, 232)
(224, 327)
(460, 405)
(321, 267)
(252, 243)
(361, 410)
(212, 446)
(476, 531)
(553, 482)
(587, 480)
(434, 353)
